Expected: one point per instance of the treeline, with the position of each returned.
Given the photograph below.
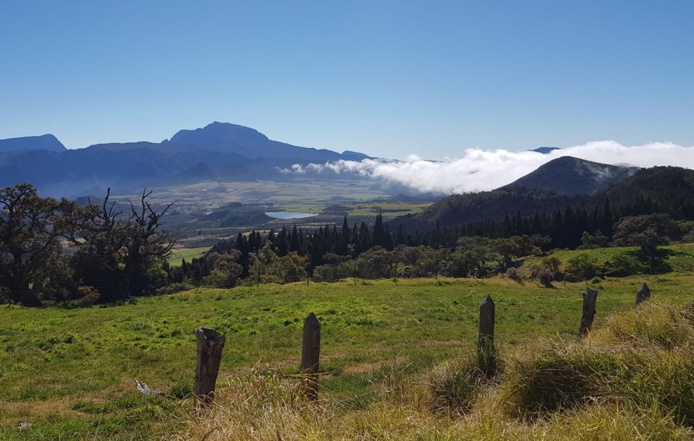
(472, 250)
(58, 251)
(465, 235)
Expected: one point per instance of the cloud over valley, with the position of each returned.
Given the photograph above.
(482, 170)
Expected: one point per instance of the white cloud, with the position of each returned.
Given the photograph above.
(482, 170)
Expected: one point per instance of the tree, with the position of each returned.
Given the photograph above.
(646, 232)
(31, 229)
(225, 270)
(116, 253)
(582, 266)
(512, 247)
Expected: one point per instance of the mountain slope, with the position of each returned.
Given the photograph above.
(250, 143)
(217, 150)
(667, 190)
(573, 176)
(43, 142)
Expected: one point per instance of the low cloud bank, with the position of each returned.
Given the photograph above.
(483, 170)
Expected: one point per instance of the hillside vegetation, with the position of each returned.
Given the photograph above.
(397, 360)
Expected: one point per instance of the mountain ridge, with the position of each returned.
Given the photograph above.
(558, 183)
(573, 176)
(217, 150)
(45, 142)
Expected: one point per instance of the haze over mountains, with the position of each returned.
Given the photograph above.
(223, 151)
(219, 150)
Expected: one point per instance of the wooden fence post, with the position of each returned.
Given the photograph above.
(210, 345)
(487, 311)
(310, 354)
(487, 360)
(590, 298)
(642, 294)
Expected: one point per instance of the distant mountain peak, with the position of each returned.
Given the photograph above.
(545, 150)
(217, 134)
(43, 142)
(574, 176)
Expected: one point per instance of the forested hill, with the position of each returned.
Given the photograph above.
(574, 176)
(562, 182)
(492, 205)
(656, 190)
(507, 212)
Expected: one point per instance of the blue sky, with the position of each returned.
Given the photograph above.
(389, 78)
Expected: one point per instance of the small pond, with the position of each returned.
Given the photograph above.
(289, 214)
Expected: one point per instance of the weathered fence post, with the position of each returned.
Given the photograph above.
(310, 354)
(486, 351)
(210, 345)
(590, 298)
(643, 293)
(487, 311)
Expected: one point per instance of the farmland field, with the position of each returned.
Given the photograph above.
(358, 200)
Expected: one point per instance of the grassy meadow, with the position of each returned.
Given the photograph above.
(392, 356)
(188, 254)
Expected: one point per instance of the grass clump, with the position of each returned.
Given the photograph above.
(655, 323)
(455, 386)
(642, 359)
(560, 377)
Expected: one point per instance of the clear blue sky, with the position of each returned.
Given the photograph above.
(389, 78)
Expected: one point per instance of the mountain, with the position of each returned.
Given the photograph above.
(217, 151)
(656, 189)
(667, 190)
(545, 150)
(558, 183)
(44, 142)
(573, 176)
(249, 143)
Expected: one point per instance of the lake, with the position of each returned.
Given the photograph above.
(289, 214)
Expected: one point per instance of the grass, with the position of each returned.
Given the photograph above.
(393, 359)
(605, 387)
(188, 254)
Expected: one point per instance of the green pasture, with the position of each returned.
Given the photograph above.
(189, 254)
(70, 372)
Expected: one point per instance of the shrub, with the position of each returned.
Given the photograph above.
(625, 264)
(582, 267)
(513, 274)
(88, 296)
(546, 277)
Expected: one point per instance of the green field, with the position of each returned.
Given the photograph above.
(70, 372)
(188, 254)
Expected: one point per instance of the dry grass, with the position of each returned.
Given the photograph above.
(625, 382)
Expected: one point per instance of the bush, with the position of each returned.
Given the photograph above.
(625, 264)
(546, 277)
(88, 296)
(582, 267)
(513, 274)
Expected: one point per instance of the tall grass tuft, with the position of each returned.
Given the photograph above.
(655, 323)
(559, 377)
(456, 385)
